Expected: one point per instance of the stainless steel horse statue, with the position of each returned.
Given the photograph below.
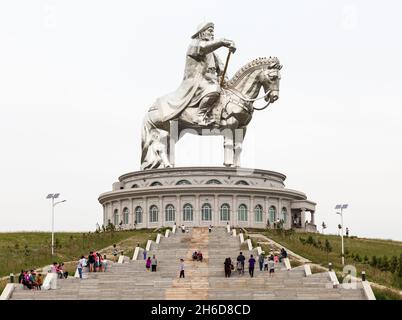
(232, 114)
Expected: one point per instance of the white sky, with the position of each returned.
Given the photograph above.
(76, 79)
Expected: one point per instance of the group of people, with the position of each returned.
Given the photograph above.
(266, 262)
(59, 269)
(151, 263)
(31, 280)
(197, 256)
(93, 263)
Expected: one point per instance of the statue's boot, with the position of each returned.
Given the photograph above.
(206, 105)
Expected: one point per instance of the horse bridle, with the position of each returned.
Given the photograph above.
(239, 95)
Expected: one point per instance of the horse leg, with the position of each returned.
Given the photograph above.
(228, 147)
(238, 145)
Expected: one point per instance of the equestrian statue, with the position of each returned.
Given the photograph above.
(207, 102)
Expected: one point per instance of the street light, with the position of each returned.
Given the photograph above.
(337, 207)
(53, 196)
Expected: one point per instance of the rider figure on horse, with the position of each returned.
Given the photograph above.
(200, 86)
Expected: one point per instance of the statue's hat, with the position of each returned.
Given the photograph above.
(202, 27)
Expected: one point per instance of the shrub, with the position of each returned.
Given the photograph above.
(373, 261)
(366, 259)
(357, 258)
(385, 264)
(393, 264)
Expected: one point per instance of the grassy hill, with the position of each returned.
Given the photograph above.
(31, 250)
(380, 259)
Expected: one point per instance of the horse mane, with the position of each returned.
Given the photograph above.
(272, 62)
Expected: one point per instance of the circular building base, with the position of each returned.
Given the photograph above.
(203, 196)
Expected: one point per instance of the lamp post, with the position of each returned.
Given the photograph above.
(53, 196)
(341, 207)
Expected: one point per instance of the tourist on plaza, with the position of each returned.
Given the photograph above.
(228, 267)
(21, 276)
(53, 268)
(195, 255)
(104, 263)
(97, 261)
(251, 263)
(115, 251)
(145, 254)
(181, 268)
(241, 259)
(154, 263)
(199, 256)
(276, 258)
(80, 265)
(347, 232)
(91, 261)
(148, 263)
(210, 228)
(183, 228)
(271, 267)
(283, 255)
(266, 263)
(261, 261)
(39, 281)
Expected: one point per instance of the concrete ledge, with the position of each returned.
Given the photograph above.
(250, 245)
(287, 263)
(307, 270)
(259, 251)
(7, 292)
(167, 233)
(137, 252)
(334, 279)
(368, 292)
(234, 232)
(228, 228)
(158, 238)
(241, 238)
(174, 229)
(148, 247)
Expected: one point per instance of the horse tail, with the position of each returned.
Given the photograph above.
(146, 139)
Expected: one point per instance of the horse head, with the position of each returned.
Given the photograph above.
(270, 77)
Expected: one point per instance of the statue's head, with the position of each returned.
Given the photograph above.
(205, 31)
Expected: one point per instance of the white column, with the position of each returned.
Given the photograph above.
(178, 211)
(216, 213)
(312, 217)
(251, 217)
(234, 217)
(303, 217)
(132, 212)
(145, 212)
(197, 218)
(161, 220)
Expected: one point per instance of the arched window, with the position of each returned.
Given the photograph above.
(125, 215)
(258, 213)
(156, 183)
(206, 212)
(116, 217)
(242, 213)
(138, 214)
(183, 182)
(272, 214)
(188, 212)
(134, 186)
(214, 181)
(225, 212)
(170, 212)
(242, 182)
(153, 214)
(284, 214)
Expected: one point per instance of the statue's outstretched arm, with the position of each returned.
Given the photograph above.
(206, 47)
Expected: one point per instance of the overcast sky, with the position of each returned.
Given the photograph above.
(76, 78)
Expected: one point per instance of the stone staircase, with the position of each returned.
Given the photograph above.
(203, 280)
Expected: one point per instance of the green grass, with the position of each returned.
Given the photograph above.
(31, 250)
(386, 294)
(361, 246)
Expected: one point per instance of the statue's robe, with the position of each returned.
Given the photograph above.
(200, 78)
